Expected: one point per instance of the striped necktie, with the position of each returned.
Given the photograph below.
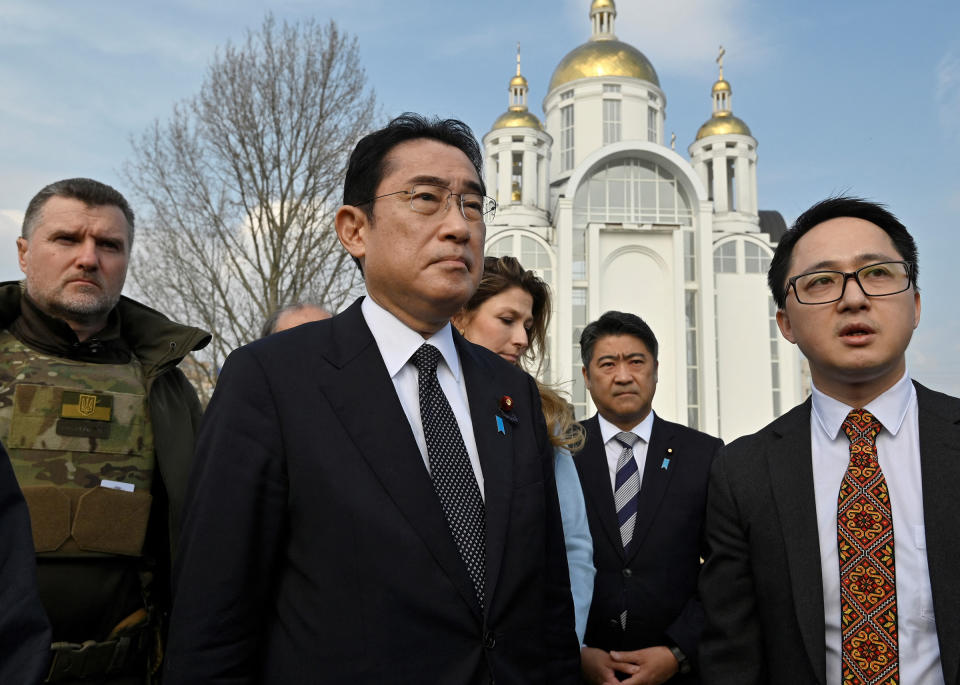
(626, 488)
(868, 587)
(625, 495)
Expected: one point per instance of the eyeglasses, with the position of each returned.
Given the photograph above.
(428, 199)
(876, 280)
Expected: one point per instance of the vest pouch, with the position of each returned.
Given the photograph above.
(49, 516)
(111, 521)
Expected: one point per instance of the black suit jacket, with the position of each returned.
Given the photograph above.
(24, 629)
(761, 584)
(315, 550)
(657, 581)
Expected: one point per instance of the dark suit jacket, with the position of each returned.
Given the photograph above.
(315, 550)
(24, 629)
(657, 580)
(761, 584)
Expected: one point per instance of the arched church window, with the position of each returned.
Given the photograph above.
(635, 191)
(725, 258)
(755, 259)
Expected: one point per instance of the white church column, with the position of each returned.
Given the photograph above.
(745, 200)
(719, 184)
(542, 193)
(504, 189)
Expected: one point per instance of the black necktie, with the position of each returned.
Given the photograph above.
(450, 469)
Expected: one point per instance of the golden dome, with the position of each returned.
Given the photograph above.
(603, 58)
(721, 85)
(518, 80)
(517, 119)
(602, 5)
(721, 124)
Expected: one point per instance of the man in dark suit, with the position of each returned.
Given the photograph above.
(24, 628)
(373, 498)
(834, 545)
(645, 483)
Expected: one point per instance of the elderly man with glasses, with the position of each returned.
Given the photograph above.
(834, 549)
(373, 497)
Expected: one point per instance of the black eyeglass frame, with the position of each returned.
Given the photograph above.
(847, 275)
(446, 205)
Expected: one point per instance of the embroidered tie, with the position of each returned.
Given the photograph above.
(453, 478)
(625, 495)
(868, 590)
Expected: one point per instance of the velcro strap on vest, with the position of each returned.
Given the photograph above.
(90, 659)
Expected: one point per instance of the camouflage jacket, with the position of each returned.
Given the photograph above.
(160, 345)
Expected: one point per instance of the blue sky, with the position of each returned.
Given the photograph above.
(858, 96)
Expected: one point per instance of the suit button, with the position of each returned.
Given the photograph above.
(627, 573)
(489, 641)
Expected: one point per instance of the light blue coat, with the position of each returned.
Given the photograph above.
(576, 534)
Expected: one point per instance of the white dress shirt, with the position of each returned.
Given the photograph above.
(397, 343)
(898, 451)
(613, 448)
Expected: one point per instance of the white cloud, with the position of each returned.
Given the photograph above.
(10, 221)
(948, 92)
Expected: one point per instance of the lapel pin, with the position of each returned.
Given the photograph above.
(505, 406)
(665, 464)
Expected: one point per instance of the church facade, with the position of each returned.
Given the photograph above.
(613, 218)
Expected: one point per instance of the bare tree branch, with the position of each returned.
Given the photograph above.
(237, 190)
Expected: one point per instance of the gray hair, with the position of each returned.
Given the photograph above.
(91, 193)
(270, 325)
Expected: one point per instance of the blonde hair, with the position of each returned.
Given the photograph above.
(562, 427)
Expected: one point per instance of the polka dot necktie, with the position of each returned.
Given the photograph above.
(868, 589)
(453, 478)
(627, 486)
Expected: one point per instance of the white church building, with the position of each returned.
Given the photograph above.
(613, 218)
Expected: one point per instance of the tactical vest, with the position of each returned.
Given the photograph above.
(79, 439)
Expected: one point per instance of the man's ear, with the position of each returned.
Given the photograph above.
(783, 321)
(22, 246)
(586, 377)
(352, 224)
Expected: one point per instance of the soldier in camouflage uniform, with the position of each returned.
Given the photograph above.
(99, 424)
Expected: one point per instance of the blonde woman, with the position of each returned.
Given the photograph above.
(508, 315)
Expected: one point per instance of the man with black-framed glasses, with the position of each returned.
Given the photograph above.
(833, 536)
(373, 499)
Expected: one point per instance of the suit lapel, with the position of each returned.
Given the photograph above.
(939, 419)
(655, 480)
(791, 478)
(495, 450)
(360, 390)
(591, 464)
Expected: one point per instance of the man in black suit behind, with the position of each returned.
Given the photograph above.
(834, 545)
(332, 535)
(645, 618)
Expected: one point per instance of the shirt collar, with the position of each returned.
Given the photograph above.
(890, 408)
(642, 430)
(397, 341)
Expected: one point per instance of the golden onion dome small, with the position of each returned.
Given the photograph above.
(721, 85)
(722, 124)
(518, 80)
(517, 119)
(603, 58)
